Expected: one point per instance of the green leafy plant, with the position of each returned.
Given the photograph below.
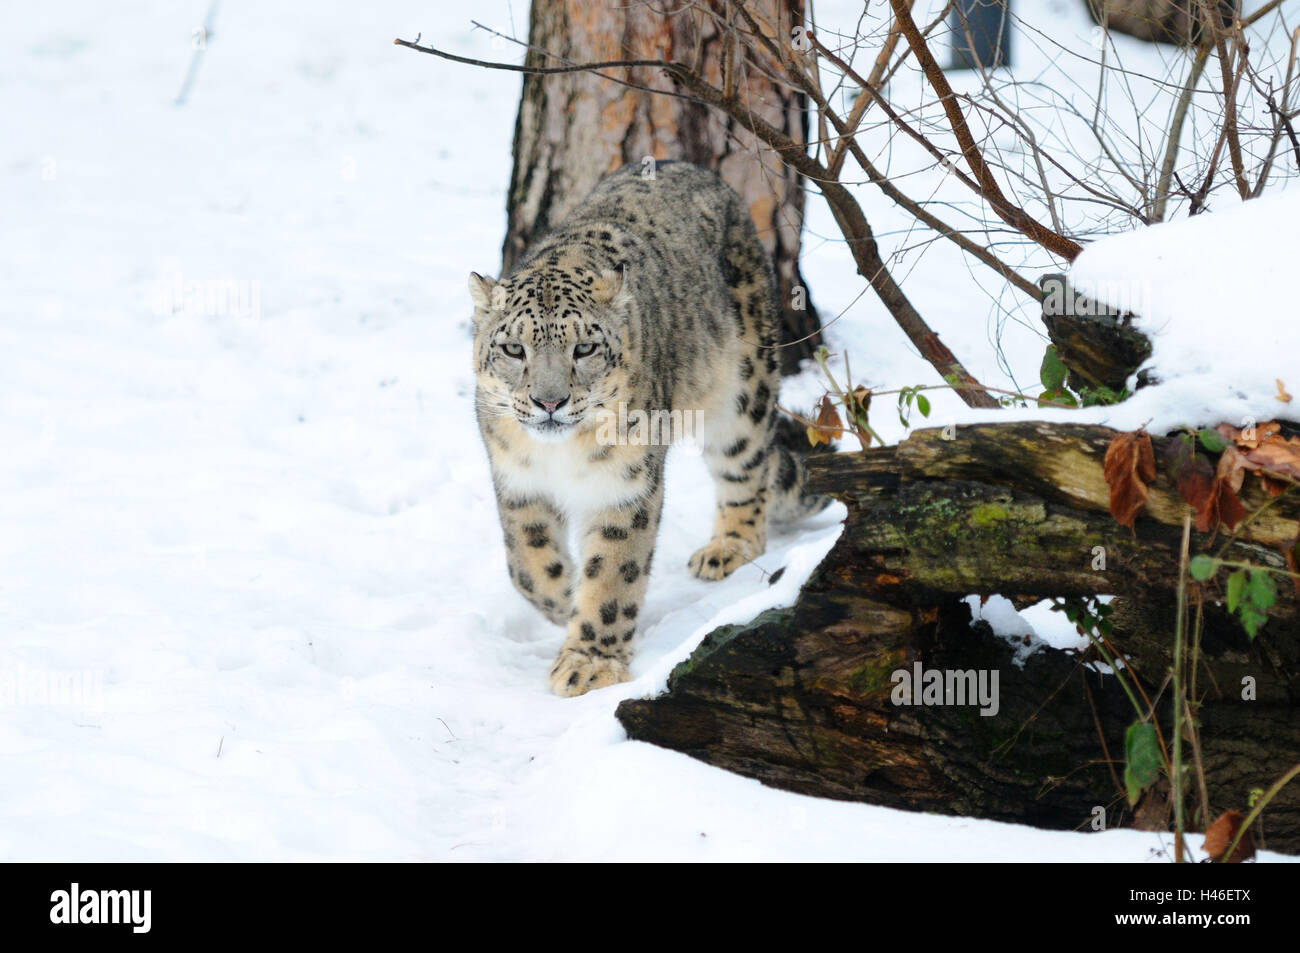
(909, 397)
(1144, 748)
(1051, 374)
(1103, 396)
(1090, 616)
(1142, 759)
(1249, 590)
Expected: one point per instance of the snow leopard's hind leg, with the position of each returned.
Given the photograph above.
(738, 451)
(790, 502)
(758, 474)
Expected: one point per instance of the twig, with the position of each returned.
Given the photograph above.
(1176, 133)
(1180, 637)
(1263, 11)
(864, 98)
(1230, 80)
(192, 73)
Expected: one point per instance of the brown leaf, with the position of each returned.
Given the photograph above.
(1191, 472)
(1130, 467)
(859, 405)
(1232, 468)
(1212, 494)
(1219, 835)
(1266, 453)
(827, 426)
(1282, 395)
(1223, 508)
(1269, 453)
(1278, 456)
(1273, 487)
(1251, 440)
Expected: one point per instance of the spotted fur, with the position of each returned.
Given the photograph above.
(653, 295)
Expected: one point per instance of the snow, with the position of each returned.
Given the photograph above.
(253, 600)
(1215, 294)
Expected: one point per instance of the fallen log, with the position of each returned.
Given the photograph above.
(809, 698)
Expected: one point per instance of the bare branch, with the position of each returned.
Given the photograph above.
(1006, 210)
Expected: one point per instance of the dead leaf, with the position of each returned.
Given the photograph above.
(1191, 472)
(859, 405)
(1282, 395)
(1273, 487)
(1219, 836)
(1130, 467)
(1266, 453)
(828, 425)
(1221, 508)
(1260, 433)
(1232, 468)
(1278, 456)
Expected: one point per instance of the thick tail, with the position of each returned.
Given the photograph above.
(788, 501)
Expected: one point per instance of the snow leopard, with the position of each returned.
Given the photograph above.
(653, 300)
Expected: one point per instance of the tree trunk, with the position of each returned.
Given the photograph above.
(573, 128)
(803, 698)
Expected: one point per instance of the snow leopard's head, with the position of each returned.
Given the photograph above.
(548, 346)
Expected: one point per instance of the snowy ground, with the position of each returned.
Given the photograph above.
(254, 551)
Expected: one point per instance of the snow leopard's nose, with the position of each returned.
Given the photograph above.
(550, 406)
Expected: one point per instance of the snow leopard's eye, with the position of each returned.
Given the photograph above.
(513, 350)
(584, 350)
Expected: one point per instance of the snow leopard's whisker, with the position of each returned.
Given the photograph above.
(494, 409)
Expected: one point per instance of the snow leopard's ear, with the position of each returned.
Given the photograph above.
(612, 287)
(486, 293)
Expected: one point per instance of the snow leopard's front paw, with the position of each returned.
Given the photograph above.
(576, 673)
(721, 557)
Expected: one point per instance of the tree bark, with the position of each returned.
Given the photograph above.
(800, 698)
(574, 128)
(1099, 345)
